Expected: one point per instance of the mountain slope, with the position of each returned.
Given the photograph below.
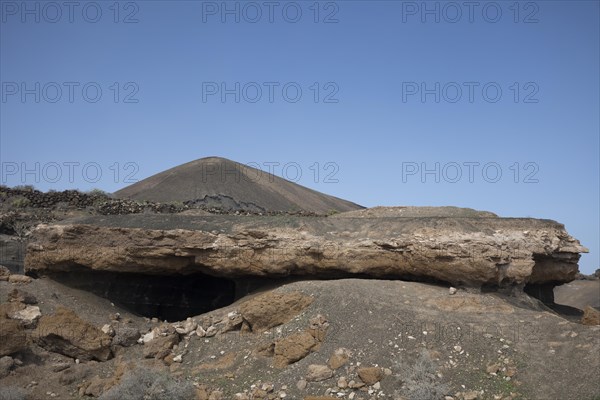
(219, 182)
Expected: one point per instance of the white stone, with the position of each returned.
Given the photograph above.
(28, 315)
(301, 384)
(148, 337)
(233, 315)
(186, 327)
(108, 329)
(211, 331)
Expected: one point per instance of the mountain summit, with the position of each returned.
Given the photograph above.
(219, 182)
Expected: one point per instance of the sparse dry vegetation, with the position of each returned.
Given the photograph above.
(420, 380)
(19, 202)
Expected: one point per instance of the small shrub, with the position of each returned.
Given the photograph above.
(21, 228)
(12, 393)
(20, 202)
(149, 385)
(421, 381)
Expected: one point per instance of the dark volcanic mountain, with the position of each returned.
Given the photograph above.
(222, 183)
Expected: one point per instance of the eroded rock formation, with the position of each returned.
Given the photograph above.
(468, 248)
(66, 333)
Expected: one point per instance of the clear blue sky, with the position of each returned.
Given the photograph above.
(376, 116)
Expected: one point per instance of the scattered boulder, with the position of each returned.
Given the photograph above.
(66, 333)
(200, 332)
(231, 322)
(211, 331)
(28, 316)
(271, 309)
(356, 385)
(591, 316)
(125, 336)
(160, 346)
(13, 338)
(301, 384)
(338, 358)
(147, 337)
(186, 327)
(293, 348)
(19, 279)
(316, 373)
(370, 375)
(318, 327)
(493, 368)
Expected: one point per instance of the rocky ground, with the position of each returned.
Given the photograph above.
(289, 337)
(345, 339)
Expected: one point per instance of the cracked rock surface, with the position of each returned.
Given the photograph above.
(462, 247)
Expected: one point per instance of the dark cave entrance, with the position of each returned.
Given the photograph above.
(171, 298)
(545, 291)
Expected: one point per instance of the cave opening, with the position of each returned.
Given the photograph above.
(166, 297)
(176, 297)
(542, 289)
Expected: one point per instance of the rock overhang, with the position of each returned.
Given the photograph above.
(478, 250)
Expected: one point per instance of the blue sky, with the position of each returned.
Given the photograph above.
(388, 89)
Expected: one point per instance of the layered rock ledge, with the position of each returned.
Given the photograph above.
(466, 248)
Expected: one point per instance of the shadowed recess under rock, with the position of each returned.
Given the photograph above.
(171, 298)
